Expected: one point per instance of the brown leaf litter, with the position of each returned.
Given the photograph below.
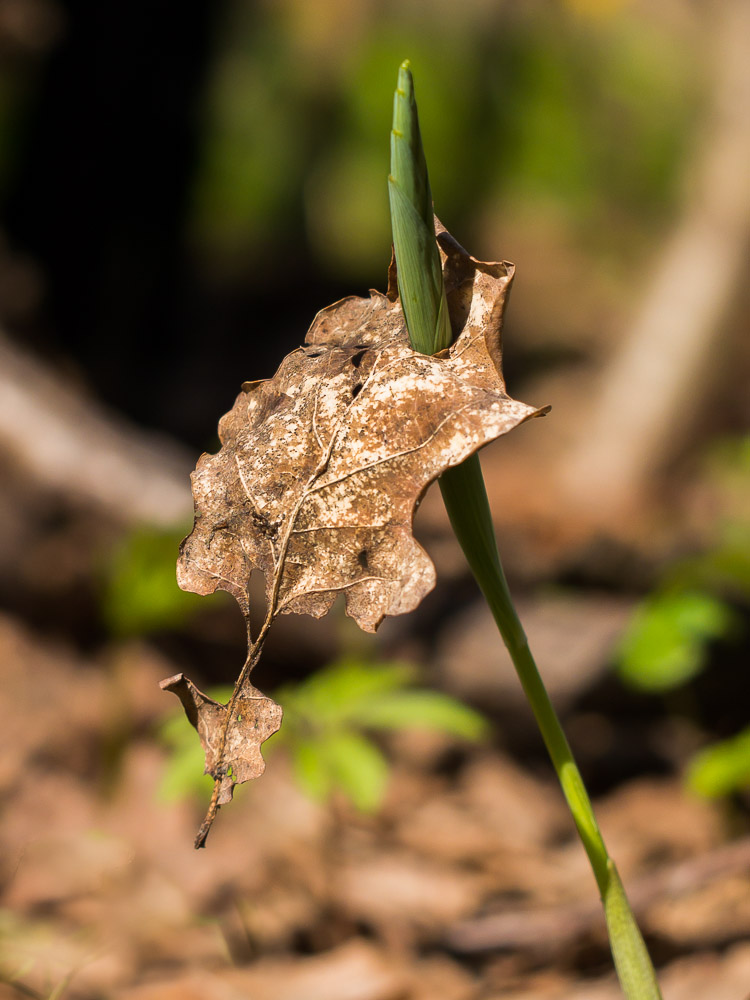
(99, 887)
(319, 475)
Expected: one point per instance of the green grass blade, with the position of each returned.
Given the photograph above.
(420, 276)
(425, 309)
(632, 961)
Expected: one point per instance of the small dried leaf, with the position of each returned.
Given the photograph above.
(239, 759)
(321, 470)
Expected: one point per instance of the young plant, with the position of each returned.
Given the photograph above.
(322, 467)
(329, 717)
(465, 498)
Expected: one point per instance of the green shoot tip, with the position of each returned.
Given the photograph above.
(405, 85)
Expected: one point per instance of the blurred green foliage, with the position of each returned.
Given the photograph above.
(139, 592)
(667, 640)
(722, 768)
(328, 719)
(542, 102)
(699, 601)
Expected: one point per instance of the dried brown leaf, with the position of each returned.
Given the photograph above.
(237, 758)
(322, 467)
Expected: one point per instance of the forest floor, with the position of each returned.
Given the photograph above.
(467, 885)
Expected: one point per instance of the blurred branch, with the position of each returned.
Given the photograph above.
(555, 928)
(70, 445)
(22, 988)
(652, 380)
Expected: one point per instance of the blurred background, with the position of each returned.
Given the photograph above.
(181, 190)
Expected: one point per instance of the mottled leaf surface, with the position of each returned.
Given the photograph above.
(322, 466)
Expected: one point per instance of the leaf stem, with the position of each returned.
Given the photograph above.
(255, 648)
(465, 499)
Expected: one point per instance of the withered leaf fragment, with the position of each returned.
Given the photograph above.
(239, 759)
(321, 467)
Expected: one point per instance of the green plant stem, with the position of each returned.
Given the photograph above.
(465, 498)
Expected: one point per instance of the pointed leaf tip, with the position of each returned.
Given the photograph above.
(405, 79)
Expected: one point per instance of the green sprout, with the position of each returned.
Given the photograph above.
(420, 275)
(465, 497)
(329, 717)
